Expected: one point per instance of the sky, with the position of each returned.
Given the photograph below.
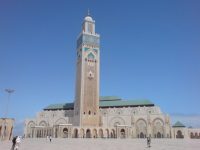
(149, 50)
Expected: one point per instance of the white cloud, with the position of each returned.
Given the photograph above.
(188, 120)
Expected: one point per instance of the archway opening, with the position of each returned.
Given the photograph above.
(107, 133)
(112, 134)
(122, 133)
(159, 135)
(179, 134)
(100, 133)
(88, 133)
(94, 133)
(65, 133)
(75, 133)
(191, 135)
(142, 135)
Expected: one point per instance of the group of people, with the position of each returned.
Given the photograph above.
(16, 143)
(49, 138)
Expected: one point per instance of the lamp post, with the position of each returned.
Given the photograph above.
(9, 91)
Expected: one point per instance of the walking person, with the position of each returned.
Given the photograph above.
(17, 144)
(50, 138)
(13, 142)
(148, 141)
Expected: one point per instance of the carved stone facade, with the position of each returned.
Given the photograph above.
(6, 128)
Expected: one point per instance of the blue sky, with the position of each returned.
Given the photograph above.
(149, 49)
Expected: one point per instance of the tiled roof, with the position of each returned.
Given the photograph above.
(60, 106)
(124, 103)
(178, 124)
(106, 101)
(109, 98)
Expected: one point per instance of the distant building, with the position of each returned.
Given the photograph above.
(6, 128)
(92, 116)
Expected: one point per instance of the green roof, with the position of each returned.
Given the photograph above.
(106, 101)
(60, 106)
(124, 103)
(109, 98)
(178, 124)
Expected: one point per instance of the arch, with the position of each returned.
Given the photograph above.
(65, 132)
(191, 135)
(30, 130)
(100, 133)
(75, 133)
(142, 135)
(60, 121)
(107, 133)
(43, 123)
(94, 133)
(88, 133)
(158, 128)
(179, 134)
(122, 133)
(196, 135)
(56, 133)
(112, 133)
(159, 135)
(116, 121)
(90, 56)
(141, 128)
(31, 124)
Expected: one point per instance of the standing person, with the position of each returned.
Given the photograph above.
(13, 142)
(47, 138)
(18, 141)
(148, 141)
(50, 138)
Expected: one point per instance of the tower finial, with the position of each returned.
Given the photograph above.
(88, 13)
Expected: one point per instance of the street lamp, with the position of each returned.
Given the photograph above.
(9, 91)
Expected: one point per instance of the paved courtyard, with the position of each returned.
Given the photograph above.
(104, 144)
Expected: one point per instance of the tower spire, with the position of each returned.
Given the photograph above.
(88, 13)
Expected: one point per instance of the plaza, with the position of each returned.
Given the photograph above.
(104, 144)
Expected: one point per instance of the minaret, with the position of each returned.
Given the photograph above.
(86, 105)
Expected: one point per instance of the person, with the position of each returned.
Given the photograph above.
(148, 141)
(18, 141)
(47, 138)
(13, 142)
(50, 138)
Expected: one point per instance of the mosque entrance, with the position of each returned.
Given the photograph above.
(142, 135)
(65, 133)
(158, 135)
(75, 133)
(179, 134)
(88, 133)
(122, 133)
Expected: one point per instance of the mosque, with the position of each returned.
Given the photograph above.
(94, 116)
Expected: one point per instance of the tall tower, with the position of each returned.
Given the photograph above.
(86, 105)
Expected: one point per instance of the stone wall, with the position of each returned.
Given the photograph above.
(6, 128)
